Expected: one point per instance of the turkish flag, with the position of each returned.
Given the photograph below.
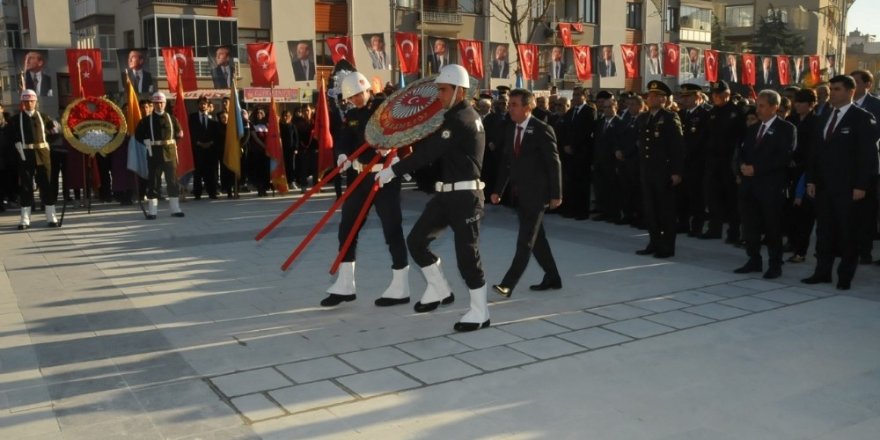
(748, 76)
(577, 27)
(672, 53)
(86, 72)
(565, 33)
(472, 57)
(407, 51)
(710, 59)
(630, 59)
(582, 62)
(224, 8)
(340, 49)
(179, 65)
(264, 70)
(185, 161)
(784, 69)
(814, 67)
(528, 58)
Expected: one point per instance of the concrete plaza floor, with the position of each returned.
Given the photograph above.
(117, 327)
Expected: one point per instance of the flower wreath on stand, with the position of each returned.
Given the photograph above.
(94, 125)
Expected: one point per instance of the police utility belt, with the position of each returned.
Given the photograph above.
(465, 185)
(38, 145)
(160, 143)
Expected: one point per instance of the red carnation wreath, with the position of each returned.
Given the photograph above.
(94, 125)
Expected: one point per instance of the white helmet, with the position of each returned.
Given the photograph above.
(158, 97)
(354, 83)
(28, 95)
(455, 75)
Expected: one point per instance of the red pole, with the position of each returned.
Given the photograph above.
(299, 202)
(327, 216)
(362, 215)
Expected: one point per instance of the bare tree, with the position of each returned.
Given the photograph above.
(516, 12)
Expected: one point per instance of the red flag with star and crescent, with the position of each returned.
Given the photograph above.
(814, 67)
(565, 34)
(582, 62)
(528, 57)
(630, 54)
(671, 54)
(264, 70)
(340, 49)
(710, 60)
(472, 57)
(407, 44)
(748, 75)
(784, 69)
(224, 8)
(86, 72)
(179, 65)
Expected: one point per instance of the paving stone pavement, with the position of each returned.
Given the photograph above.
(115, 327)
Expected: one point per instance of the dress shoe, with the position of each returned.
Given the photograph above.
(197, 197)
(23, 227)
(502, 290)
(422, 308)
(178, 214)
(796, 259)
(731, 240)
(52, 224)
(749, 267)
(843, 285)
(773, 273)
(388, 302)
(547, 285)
(646, 251)
(151, 217)
(710, 235)
(866, 259)
(663, 254)
(213, 196)
(816, 279)
(334, 299)
(469, 326)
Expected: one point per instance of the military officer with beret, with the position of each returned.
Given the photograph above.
(694, 123)
(661, 157)
(159, 132)
(727, 123)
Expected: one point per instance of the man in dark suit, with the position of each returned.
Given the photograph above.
(726, 126)
(530, 164)
(303, 64)
(607, 67)
(607, 136)
(500, 66)
(35, 78)
(556, 66)
(729, 73)
(868, 230)
(439, 57)
(766, 76)
(223, 72)
(205, 135)
(661, 159)
(139, 77)
(842, 167)
(762, 162)
(577, 156)
(822, 105)
(695, 124)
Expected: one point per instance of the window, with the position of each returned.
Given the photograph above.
(13, 36)
(672, 19)
(98, 37)
(406, 3)
(633, 15)
(470, 6)
(739, 16)
(591, 11)
(246, 36)
(777, 13)
(201, 33)
(322, 52)
(696, 18)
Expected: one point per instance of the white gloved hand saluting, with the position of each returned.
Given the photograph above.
(343, 159)
(384, 176)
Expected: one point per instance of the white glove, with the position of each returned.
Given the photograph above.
(394, 160)
(384, 176)
(343, 159)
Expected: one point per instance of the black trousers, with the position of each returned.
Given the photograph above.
(630, 186)
(836, 236)
(606, 187)
(530, 240)
(387, 203)
(207, 162)
(105, 193)
(762, 213)
(157, 166)
(801, 219)
(867, 219)
(690, 199)
(721, 198)
(461, 211)
(28, 172)
(658, 198)
(290, 165)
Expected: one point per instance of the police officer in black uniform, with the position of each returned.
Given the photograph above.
(661, 157)
(355, 88)
(458, 203)
(694, 122)
(159, 132)
(727, 123)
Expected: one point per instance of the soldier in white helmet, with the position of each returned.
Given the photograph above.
(355, 88)
(30, 130)
(458, 203)
(159, 132)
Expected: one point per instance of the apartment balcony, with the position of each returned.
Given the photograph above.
(204, 3)
(441, 17)
(87, 8)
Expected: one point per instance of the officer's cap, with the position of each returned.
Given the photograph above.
(604, 94)
(719, 87)
(690, 89)
(503, 90)
(659, 87)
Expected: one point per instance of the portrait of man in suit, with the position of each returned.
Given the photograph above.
(440, 55)
(36, 76)
(606, 65)
(135, 62)
(652, 60)
(500, 64)
(797, 72)
(693, 65)
(303, 60)
(556, 64)
(223, 72)
(730, 71)
(376, 48)
(766, 75)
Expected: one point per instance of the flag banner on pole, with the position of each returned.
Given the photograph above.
(472, 57)
(275, 151)
(340, 49)
(710, 59)
(630, 54)
(672, 53)
(179, 66)
(583, 62)
(321, 132)
(565, 34)
(528, 56)
(264, 70)
(86, 72)
(407, 51)
(748, 74)
(185, 163)
(234, 131)
(784, 69)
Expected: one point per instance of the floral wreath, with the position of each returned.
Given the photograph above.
(94, 125)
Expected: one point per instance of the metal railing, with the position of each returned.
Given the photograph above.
(144, 3)
(443, 17)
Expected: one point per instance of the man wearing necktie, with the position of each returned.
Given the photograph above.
(223, 72)
(440, 56)
(35, 78)
(140, 78)
(377, 52)
(556, 64)
(303, 67)
(868, 229)
(206, 138)
(840, 171)
(530, 164)
(762, 162)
